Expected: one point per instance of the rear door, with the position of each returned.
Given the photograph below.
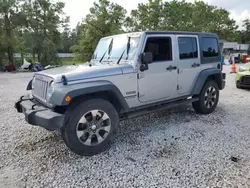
(188, 62)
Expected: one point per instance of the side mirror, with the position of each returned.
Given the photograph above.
(147, 58)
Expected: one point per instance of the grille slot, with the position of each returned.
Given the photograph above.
(40, 88)
(246, 80)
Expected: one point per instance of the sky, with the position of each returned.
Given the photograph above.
(78, 9)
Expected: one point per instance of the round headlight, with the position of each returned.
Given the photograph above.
(51, 87)
(33, 83)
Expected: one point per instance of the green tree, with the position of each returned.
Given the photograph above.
(178, 16)
(2, 43)
(246, 32)
(225, 27)
(11, 17)
(182, 16)
(146, 17)
(105, 19)
(44, 19)
(66, 42)
(69, 38)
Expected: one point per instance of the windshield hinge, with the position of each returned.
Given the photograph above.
(140, 75)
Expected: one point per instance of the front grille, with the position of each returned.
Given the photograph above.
(40, 88)
(246, 80)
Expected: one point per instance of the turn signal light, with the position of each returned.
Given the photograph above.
(67, 98)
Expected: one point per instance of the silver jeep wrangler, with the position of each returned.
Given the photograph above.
(128, 75)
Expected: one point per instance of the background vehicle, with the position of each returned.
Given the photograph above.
(128, 75)
(243, 76)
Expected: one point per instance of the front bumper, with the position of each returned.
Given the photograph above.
(243, 79)
(38, 115)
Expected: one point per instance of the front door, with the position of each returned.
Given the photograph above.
(159, 82)
(188, 63)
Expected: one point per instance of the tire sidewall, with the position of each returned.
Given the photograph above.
(69, 129)
(238, 85)
(202, 97)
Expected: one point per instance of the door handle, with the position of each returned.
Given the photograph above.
(170, 68)
(195, 65)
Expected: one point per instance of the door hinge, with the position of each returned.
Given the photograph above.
(140, 94)
(178, 71)
(178, 87)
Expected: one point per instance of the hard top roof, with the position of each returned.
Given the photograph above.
(179, 33)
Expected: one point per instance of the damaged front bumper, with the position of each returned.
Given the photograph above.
(39, 115)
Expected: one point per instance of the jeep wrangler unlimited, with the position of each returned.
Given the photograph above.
(128, 75)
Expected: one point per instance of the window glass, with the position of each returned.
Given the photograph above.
(187, 47)
(210, 47)
(160, 47)
(117, 44)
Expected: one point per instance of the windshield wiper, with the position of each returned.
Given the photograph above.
(128, 48)
(108, 50)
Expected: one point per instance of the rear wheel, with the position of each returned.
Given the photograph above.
(208, 98)
(89, 127)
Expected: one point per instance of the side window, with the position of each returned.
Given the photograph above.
(188, 47)
(210, 47)
(160, 47)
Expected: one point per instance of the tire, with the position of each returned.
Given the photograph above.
(89, 126)
(238, 85)
(208, 98)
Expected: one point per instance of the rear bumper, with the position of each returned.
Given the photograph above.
(38, 115)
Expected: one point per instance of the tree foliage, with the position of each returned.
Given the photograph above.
(11, 18)
(41, 28)
(105, 19)
(182, 16)
(44, 18)
(246, 32)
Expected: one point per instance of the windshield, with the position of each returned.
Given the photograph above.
(112, 48)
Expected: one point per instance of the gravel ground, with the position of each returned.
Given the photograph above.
(171, 148)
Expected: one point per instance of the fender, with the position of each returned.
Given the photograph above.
(201, 79)
(76, 90)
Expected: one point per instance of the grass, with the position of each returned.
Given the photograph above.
(70, 61)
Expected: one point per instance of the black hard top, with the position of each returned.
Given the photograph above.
(180, 33)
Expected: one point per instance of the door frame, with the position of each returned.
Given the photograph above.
(179, 61)
(142, 74)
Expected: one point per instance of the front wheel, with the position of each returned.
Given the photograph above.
(89, 127)
(238, 85)
(208, 98)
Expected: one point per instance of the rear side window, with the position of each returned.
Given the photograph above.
(210, 47)
(187, 47)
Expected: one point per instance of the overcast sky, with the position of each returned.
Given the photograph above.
(77, 9)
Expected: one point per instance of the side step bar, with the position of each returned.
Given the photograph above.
(159, 107)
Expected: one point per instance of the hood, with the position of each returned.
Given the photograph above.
(85, 71)
(247, 66)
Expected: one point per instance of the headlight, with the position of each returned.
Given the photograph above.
(242, 69)
(50, 89)
(33, 83)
